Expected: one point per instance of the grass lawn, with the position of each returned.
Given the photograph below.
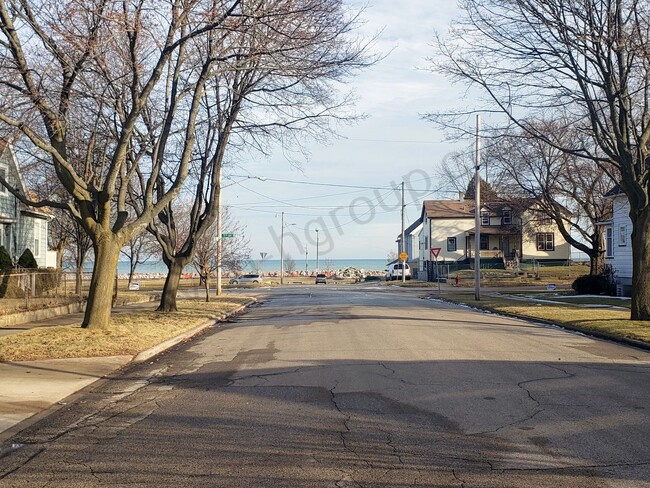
(614, 322)
(129, 333)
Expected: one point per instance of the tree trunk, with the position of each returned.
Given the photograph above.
(78, 281)
(207, 285)
(641, 267)
(59, 254)
(100, 295)
(170, 290)
(131, 271)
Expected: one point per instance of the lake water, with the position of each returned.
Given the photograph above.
(271, 265)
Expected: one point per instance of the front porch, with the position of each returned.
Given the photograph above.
(503, 243)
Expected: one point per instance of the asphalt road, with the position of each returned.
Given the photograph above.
(355, 386)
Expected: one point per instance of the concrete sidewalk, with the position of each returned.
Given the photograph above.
(27, 388)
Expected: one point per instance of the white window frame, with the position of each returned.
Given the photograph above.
(37, 238)
(609, 242)
(452, 244)
(507, 217)
(485, 217)
(622, 235)
(4, 172)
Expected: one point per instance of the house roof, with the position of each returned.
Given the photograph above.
(448, 209)
(615, 190)
(497, 230)
(410, 229)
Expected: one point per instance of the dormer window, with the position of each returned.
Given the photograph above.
(485, 217)
(3, 173)
(507, 217)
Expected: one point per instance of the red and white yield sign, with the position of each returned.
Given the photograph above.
(435, 251)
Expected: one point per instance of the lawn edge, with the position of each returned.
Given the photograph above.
(147, 354)
(588, 332)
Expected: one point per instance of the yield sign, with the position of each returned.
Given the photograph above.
(435, 251)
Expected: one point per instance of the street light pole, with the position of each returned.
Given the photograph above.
(317, 242)
(306, 269)
(403, 245)
(477, 214)
(282, 251)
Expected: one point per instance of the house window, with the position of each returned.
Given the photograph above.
(485, 218)
(3, 173)
(622, 235)
(37, 238)
(609, 242)
(485, 242)
(546, 242)
(451, 244)
(545, 221)
(507, 217)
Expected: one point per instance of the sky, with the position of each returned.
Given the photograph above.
(348, 188)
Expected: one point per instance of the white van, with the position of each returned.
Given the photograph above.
(394, 272)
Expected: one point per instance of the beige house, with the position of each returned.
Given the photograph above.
(511, 232)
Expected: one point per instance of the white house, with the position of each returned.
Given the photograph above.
(510, 232)
(618, 241)
(411, 236)
(21, 227)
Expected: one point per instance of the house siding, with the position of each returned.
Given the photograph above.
(17, 225)
(441, 230)
(561, 251)
(622, 251)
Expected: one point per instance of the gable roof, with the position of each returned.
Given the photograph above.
(448, 209)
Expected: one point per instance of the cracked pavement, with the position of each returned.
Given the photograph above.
(353, 386)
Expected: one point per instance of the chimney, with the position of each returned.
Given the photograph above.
(461, 196)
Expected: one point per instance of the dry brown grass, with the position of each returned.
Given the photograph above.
(129, 333)
(608, 321)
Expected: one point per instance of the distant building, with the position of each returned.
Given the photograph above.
(21, 227)
(510, 232)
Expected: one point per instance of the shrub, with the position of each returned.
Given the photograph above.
(600, 284)
(5, 260)
(26, 260)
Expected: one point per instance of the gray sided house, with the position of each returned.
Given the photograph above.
(618, 241)
(21, 227)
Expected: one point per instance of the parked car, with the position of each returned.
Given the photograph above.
(247, 278)
(321, 278)
(394, 271)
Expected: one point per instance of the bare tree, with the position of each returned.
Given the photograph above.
(235, 250)
(564, 187)
(104, 91)
(289, 264)
(283, 60)
(588, 60)
(138, 250)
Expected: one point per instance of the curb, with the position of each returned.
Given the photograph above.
(590, 333)
(163, 346)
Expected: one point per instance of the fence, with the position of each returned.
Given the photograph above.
(21, 289)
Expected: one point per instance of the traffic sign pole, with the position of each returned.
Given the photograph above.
(403, 257)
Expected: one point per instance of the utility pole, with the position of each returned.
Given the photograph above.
(403, 246)
(477, 213)
(317, 267)
(219, 290)
(282, 251)
(306, 269)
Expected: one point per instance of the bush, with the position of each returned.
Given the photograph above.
(26, 260)
(5, 260)
(600, 284)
